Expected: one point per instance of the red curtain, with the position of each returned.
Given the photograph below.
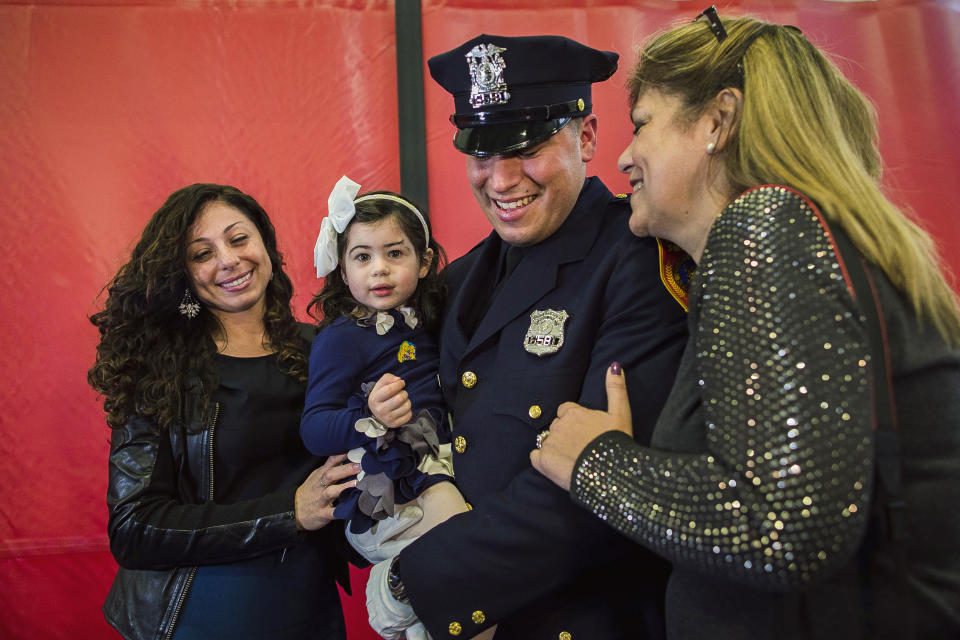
(105, 109)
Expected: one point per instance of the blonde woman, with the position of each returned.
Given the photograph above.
(804, 476)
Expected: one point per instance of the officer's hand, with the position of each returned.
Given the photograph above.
(386, 615)
(388, 401)
(575, 427)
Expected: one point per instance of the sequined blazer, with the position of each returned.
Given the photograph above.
(759, 482)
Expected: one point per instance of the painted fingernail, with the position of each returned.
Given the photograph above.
(615, 369)
(356, 466)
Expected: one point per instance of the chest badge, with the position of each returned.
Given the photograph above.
(545, 335)
(407, 351)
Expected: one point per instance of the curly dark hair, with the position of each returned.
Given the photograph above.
(335, 300)
(149, 353)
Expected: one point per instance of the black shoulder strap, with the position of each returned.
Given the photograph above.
(889, 497)
(886, 437)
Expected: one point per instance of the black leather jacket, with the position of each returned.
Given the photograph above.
(162, 521)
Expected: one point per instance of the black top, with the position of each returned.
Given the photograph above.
(257, 449)
(257, 445)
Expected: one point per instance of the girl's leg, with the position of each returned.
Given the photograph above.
(438, 503)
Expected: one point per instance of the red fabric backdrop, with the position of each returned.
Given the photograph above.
(106, 108)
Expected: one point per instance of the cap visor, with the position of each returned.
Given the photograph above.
(494, 140)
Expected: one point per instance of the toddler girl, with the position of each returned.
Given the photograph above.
(373, 385)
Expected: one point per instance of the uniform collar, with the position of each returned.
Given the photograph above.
(579, 231)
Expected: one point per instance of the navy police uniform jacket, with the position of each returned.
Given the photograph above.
(525, 557)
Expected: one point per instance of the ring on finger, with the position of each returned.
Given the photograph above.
(542, 437)
(323, 484)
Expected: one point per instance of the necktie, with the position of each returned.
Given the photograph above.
(510, 260)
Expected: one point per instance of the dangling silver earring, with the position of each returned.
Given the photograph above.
(188, 306)
(711, 147)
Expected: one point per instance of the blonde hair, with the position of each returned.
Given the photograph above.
(802, 124)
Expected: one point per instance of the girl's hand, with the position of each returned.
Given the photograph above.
(575, 427)
(313, 504)
(388, 401)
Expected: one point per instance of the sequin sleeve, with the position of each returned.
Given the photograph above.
(774, 488)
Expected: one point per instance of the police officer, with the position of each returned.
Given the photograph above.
(537, 312)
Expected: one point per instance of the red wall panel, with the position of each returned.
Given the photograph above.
(904, 54)
(107, 108)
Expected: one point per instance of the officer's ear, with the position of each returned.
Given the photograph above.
(588, 137)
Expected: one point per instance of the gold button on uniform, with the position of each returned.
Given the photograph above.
(454, 628)
(479, 617)
(468, 506)
(565, 635)
(459, 444)
(535, 411)
(468, 379)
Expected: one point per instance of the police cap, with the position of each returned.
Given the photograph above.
(510, 93)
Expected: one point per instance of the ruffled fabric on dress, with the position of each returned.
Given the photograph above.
(397, 464)
(391, 474)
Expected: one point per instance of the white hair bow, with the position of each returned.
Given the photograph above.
(340, 211)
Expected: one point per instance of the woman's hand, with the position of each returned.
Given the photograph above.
(575, 427)
(389, 403)
(313, 505)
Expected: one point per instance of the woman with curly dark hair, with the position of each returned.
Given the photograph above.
(218, 513)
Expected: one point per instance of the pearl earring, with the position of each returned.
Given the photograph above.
(711, 147)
